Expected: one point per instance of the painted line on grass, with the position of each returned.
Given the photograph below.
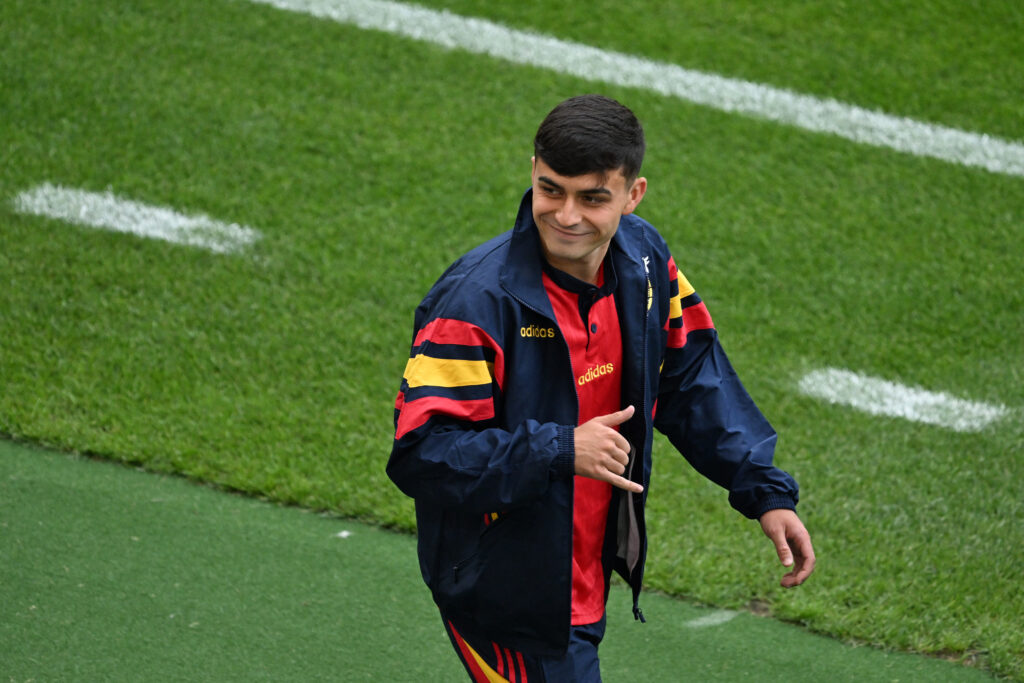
(882, 397)
(717, 617)
(727, 94)
(109, 212)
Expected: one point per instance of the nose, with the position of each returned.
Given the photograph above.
(568, 213)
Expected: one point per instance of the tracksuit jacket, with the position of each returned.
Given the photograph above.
(484, 426)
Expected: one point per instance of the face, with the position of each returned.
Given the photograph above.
(577, 216)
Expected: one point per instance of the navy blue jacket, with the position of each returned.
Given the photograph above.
(484, 427)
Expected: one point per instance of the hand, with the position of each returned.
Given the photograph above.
(602, 453)
(792, 543)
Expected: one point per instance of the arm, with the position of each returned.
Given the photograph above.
(710, 418)
(708, 415)
(449, 447)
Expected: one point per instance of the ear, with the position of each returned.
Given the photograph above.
(636, 192)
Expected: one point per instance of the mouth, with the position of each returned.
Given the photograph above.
(565, 233)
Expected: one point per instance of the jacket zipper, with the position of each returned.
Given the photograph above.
(638, 614)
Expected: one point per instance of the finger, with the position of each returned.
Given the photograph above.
(618, 417)
(614, 465)
(622, 448)
(623, 483)
(805, 561)
(782, 549)
(801, 575)
(798, 575)
(802, 543)
(805, 558)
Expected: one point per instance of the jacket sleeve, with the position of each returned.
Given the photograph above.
(450, 449)
(708, 415)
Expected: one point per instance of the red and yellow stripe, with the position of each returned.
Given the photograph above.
(450, 372)
(508, 666)
(686, 312)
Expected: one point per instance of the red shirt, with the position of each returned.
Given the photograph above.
(589, 322)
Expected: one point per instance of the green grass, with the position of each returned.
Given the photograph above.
(369, 162)
(943, 61)
(116, 575)
(113, 574)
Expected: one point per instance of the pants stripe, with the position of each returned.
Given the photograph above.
(522, 666)
(478, 668)
(498, 658)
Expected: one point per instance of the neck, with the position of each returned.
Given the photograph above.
(585, 269)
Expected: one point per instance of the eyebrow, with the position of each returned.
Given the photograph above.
(592, 191)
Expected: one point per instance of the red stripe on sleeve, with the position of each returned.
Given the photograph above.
(416, 413)
(695, 317)
(673, 270)
(676, 338)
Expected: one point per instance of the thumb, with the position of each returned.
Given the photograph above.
(619, 417)
(785, 554)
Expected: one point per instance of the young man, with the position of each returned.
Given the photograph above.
(541, 363)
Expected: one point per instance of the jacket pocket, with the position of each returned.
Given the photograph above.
(465, 572)
(516, 580)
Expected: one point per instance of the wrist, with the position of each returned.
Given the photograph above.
(775, 502)
(564, 463)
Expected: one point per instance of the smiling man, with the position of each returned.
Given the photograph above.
(542, 362)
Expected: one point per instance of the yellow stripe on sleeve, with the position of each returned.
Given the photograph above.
(685, 288)
(675, 307)
(424, 370)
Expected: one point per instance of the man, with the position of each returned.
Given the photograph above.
(541, 362)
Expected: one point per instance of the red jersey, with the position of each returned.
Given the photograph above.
(589, 321)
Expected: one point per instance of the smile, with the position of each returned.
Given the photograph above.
(566, 234)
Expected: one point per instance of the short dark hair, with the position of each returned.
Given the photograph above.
(591, 134)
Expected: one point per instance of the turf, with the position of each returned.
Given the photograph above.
(369, 162)
(114, 574)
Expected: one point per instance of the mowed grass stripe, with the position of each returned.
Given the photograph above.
(727, 94)
(118, 575)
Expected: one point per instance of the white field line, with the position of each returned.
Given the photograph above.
(727, 94)
(109, 212)
(713, 619)
(881, 397)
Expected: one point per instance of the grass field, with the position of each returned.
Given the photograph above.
(112, 574)
(368, 162)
